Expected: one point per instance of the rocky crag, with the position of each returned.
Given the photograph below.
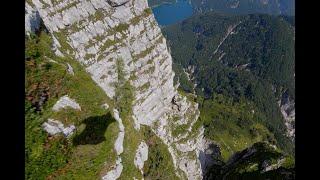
(97, 33)
(287, 108)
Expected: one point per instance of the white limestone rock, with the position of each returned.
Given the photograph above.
(70, 69)
(118, 145)
(55, 47)
(118, 119)
(65, 102)
(115, 172)
(32, 19)
(141, 156)
(54, 127)
(69, 130)
(129, 32)
(105, 106)
(136, 123)
(287, 108)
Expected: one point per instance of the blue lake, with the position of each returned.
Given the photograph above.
(167, 14)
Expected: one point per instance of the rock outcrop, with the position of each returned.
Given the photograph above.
(70, 69)
(118, 147)
(32, 19)
(53, 127)
(141, 156)
(209, 155)
(115, 172)
(287, 108)
(97, 33)
(177, 129)
(66, 102)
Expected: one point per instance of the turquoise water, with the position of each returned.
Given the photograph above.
(167, 14)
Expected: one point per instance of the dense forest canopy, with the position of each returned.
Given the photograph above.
(274, 7)
(247, 58)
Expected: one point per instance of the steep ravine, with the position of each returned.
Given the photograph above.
(97, 33)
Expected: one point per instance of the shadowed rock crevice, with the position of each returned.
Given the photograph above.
(117, 3)
(94, 131)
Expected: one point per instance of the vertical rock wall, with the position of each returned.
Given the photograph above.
(32, 19)
(98, 32)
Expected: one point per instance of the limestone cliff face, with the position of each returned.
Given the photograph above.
(97, 33)
(287, 108)
(32, 19)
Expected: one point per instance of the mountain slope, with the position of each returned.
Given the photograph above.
(101, 102)
(275, 7)
(121, 107)
(259, 161)
(237, 7)
(247, 59)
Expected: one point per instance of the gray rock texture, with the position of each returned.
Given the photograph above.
(115, 172)
(98, 32)
(54, 127)
(118, 146)
(65, 102)
(141, 156)
(70, 69)
(208, 155)
(287, 108)
(32, 19)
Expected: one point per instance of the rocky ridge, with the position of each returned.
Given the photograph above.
(287, 108)
(97, 33)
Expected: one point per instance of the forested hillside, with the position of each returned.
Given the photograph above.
(240, 67)
(275, 7)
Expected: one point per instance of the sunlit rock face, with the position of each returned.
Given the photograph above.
(53, 127)
(66, 102)
(97, 33)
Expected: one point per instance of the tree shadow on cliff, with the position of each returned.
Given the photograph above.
(94, 131)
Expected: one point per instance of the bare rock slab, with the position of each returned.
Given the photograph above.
(115, 172)
(65, 102)
(141, 155)
(54, 127)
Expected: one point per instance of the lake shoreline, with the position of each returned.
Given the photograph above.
(168, 13)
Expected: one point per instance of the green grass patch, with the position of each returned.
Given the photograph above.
(123, 101)
(57, 157)
(233, 125)
(121, 27)
(159, 164)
